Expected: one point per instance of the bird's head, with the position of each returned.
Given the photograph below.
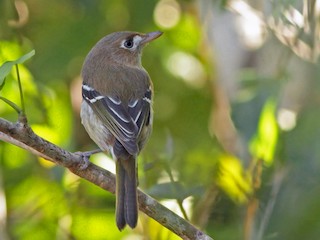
(124, 47)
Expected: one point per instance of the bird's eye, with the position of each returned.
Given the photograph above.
(128, 43)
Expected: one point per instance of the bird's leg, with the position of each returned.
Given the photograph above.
(86, 156)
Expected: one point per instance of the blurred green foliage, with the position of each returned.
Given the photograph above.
(242, 162)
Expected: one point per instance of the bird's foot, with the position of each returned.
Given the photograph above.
(86, 158)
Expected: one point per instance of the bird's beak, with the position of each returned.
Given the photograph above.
(150, 37)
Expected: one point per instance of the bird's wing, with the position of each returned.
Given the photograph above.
(140, 110)
(124, 122)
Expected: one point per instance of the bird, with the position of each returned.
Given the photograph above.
(116, 110)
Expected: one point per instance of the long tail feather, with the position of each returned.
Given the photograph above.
(127, 203)
(120, 196)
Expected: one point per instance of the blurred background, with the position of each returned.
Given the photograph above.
(236, 141)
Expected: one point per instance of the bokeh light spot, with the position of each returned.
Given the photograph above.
(251, 27)
(287, 119)
(187, 67)
(167, 13)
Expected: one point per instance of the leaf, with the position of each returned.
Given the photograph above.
(233, 179)
(2, 84)
(11, 104)
(7, 66)
(4, 71)
(263, 145)
(25, 57)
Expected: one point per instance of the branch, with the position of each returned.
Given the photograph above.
(21, 135)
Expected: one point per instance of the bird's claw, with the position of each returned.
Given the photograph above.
(86, 158)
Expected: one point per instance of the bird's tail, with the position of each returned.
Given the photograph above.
(126, 193)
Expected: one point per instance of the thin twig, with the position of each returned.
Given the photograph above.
(20, 91)
(183, 211)
(276, 186)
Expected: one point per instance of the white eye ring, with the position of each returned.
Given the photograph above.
(131, 43)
